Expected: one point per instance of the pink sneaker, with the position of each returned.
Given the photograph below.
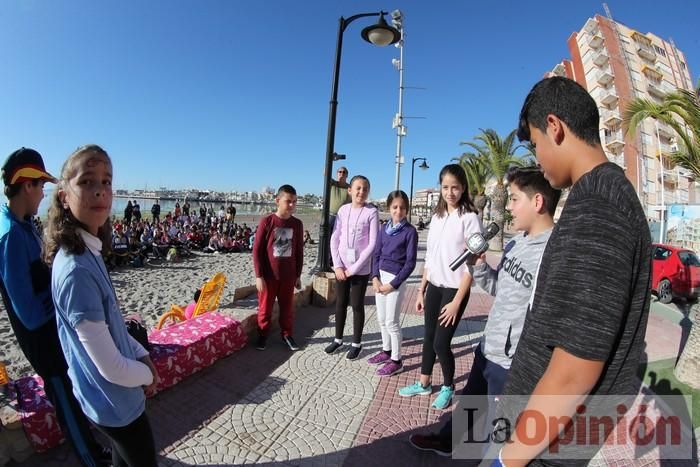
(391, 368)
(378, 359)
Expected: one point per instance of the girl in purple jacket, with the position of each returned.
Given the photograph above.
(394, 260)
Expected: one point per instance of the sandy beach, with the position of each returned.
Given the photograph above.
(150, 290)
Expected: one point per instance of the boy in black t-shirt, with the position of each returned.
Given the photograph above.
(584, 333)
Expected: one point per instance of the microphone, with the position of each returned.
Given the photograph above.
(476, 245)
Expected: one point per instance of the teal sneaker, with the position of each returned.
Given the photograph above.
(444, 397)
(415, 389)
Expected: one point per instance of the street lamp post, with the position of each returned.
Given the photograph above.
(397, 21)
(423, 166)
(380, 34)
(662, 229)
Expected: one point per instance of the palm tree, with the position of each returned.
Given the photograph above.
(498, 155)
(681, 111)
(478, 176)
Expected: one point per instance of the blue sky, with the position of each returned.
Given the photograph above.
(234, 94)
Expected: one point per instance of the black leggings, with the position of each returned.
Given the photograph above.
(438, 338)
(353, 290)
(132, 445)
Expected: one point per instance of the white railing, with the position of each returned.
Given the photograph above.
(614, 136)
(609, 115)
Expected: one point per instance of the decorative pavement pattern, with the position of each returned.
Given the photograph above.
(319, 409)
(307, 408)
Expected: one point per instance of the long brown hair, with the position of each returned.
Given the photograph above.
(61, 228)
(465, 203)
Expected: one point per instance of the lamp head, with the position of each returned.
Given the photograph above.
(423, 165)
(397, 19)
(381, 34)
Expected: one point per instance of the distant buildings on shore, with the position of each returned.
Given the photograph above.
(424, 202)
(265, 196)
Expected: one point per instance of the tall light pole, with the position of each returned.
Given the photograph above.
(423, 166)
(380, 34)
(662, 232)
(397, 21)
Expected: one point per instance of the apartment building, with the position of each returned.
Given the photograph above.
(616, 64)
(685, 234)
(424, 202)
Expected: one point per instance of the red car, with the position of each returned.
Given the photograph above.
(675, 273)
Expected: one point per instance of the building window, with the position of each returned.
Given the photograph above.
(683, 65)
(660, 51)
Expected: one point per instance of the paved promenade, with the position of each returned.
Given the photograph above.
(308, 408)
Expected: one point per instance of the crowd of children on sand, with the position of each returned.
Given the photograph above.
(66, 317)
(135, 239)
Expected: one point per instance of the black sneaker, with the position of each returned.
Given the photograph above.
(431, 442)
(353, 353)
(332, 347)
(262, 343)
(289, 340)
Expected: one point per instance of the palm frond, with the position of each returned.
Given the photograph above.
(476, 170)
(681, 111)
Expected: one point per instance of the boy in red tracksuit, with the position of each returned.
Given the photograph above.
(278, 257)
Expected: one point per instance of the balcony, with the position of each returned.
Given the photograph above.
(611, 118)
(601, 58)
(683, 172)
(656, 90)
(641, 38)
(559, 70)
(595, 41)
(666, 149)
(614, 141)
(591, 26)
(665, 130)
(652, 73)
(646, 51)
(670, 178)
(605, 76)
(608, 96)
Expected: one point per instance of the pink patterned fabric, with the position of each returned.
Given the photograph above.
(38, 415)
(177, 352)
